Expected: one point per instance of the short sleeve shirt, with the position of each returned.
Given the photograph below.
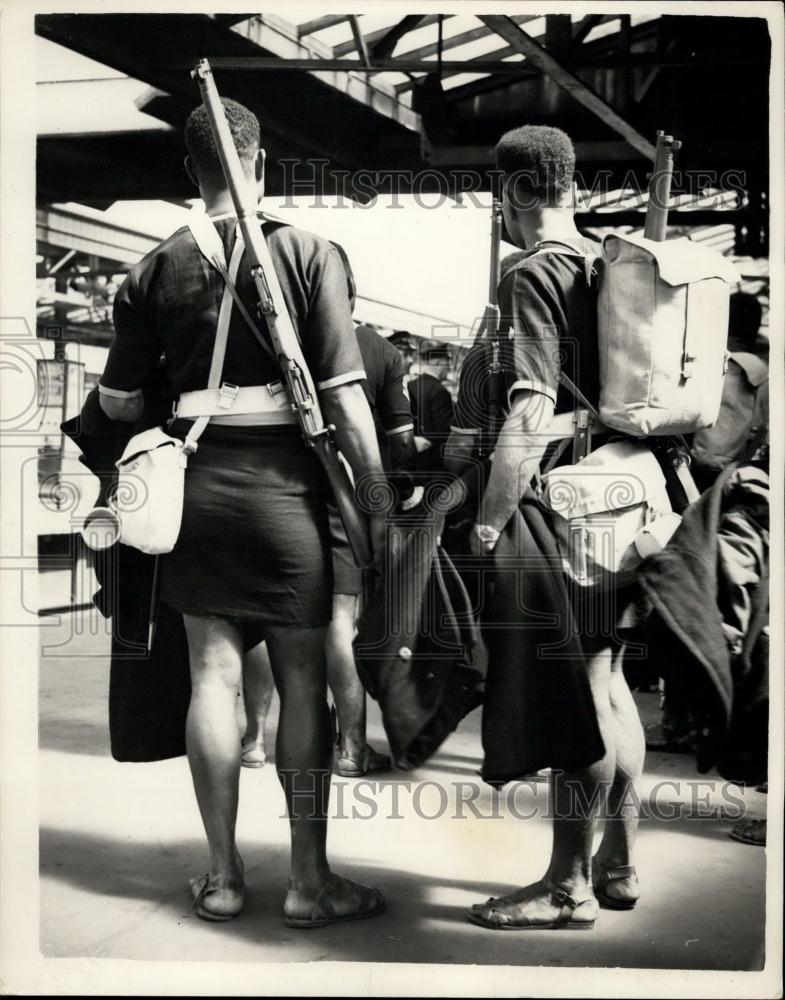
(167, 307)
(432, 408)
(384, 383)
(549, 313)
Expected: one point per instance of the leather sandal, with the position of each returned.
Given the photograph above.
(217, 899)
(326, 906)
(254, 755)
(607, 875)
(496, 920)
(370, 761)
(750, 831)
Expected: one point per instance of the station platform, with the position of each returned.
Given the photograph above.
(118, 843)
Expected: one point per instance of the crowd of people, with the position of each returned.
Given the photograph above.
(263, 575)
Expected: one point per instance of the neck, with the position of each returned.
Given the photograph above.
(548, 224)
(219, 201)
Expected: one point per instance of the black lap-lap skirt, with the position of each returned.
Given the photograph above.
(538, 709)
(254, 545)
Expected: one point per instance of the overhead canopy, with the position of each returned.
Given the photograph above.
(424, 96)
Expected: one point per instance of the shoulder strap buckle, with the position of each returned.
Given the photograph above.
(227, 394)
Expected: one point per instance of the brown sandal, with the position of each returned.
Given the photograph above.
(604, 878)
(370, 761)
(495, 920)
(204, 888)
(325, 910)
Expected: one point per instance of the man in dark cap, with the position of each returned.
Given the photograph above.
(432, 406)
(403, 342)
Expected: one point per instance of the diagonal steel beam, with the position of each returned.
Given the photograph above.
(538, 57)
(359, 41)
(507, 50)
(319, 23)
(584, 27)
(345, 47)
(460, 39)
(385, 47)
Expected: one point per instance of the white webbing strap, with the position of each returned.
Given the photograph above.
(208, 239)
(221, 338)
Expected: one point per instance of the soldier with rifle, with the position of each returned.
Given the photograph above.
(253, 560)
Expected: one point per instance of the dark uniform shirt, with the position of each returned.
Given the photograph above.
(432, 410)
(548, 325)
(384, 384)
(168, 306)
(431, 407)
(549, 314)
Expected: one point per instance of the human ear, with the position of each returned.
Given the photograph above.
(188, 163)
(259, 164)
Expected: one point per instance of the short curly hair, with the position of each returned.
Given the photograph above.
(539, 159)
(243, 124)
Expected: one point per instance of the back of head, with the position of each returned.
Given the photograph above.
(402, 339)
(538, 163)
(244, 126)
(744, 319)
(433, 352)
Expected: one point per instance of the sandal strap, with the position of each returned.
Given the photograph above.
(569, 904)
(322, 903)
(622, 871)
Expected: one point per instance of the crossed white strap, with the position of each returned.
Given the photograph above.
(212, 248)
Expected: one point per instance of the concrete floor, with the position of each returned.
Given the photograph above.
(119, 841)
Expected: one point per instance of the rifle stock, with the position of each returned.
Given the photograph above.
(297, 378)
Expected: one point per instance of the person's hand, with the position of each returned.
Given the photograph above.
(483, 539)
(416, 498)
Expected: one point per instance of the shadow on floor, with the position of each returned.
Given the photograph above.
(422, 923)
(80, 736)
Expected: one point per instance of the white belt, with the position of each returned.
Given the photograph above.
(268, 402)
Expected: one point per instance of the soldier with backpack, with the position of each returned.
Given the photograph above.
(610, 343)
(555, 693)
(740, 433)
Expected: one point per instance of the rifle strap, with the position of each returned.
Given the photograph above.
(209, 241)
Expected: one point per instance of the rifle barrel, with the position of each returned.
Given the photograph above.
(656, 224)
(496, 238)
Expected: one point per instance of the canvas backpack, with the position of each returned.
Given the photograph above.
(662, 322)
(662, 315)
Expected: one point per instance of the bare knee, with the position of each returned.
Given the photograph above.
(298, 660)
(343, 626)
(215, 653)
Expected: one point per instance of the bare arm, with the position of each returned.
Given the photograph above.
(346, 407)
(519, 450)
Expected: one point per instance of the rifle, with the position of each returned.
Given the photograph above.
(272, 307)
(672, 451)
(660, 187)
(489, 329)
(490, 319)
